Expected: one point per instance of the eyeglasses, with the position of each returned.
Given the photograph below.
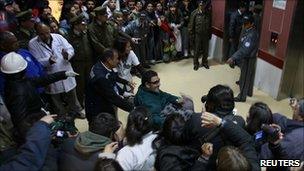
(155, 82)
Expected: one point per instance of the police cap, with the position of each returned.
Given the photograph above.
(248, 18)
(78, 19)
(100, 10)
(24, 15)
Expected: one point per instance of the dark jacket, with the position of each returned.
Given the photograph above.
(6, 128)
(235, 25)
(82, 153)
(102, 93)
(241, 139)
(24, 36)
(23, 101)
(200, 24)
(291, 146)
(103, 36)
(33, 153)
(82, 47)
(248, 45)
(195, 133)
(175, 158)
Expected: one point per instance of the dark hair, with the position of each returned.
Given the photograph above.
(86, 3)
(104, 124)
(146, 77)
(105, 164)
(232, 158)
(4, 36)
(65, 10)
(107, 54)
(173, 130)
(220, 100)
(259, 113)
(120, 45)
(138, 125)
(47, 7)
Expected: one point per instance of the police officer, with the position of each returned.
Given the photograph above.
(247, 54)
(235, 29)
(82, 60)
(200, 33)
(102, 92)
(25, 31)
(101, 33)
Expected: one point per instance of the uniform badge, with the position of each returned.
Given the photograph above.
(92, 75)
(247, 44)
(28, 59)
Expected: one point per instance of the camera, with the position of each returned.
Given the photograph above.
(267, 133)
(62, 125)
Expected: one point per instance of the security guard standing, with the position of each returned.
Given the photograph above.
(25, 31)
(101, 33)
(248, 47)
(82, 60)
(200, 33)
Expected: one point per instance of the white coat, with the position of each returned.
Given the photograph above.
(42, 52)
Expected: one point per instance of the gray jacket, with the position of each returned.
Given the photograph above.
(248, 46)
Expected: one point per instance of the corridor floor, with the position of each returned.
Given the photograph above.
(179, 77)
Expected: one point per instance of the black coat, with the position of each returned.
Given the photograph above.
(102, 93)
(23, 101)
(176, 158)
(194, 133)
(33, 153)
(235, 25)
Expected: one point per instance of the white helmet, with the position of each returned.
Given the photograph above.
(13, 63)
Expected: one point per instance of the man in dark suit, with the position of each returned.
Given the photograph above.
(102, 92)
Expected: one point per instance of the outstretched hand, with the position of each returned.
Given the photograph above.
(71, 74)
(48, 118)
(230, 61)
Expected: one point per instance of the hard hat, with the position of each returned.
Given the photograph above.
(13, 63)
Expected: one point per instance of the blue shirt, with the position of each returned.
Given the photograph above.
(33, 69)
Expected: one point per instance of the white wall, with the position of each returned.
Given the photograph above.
(267, 78)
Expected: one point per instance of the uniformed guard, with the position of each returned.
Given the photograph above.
(200, 33)
(25, 31)
(248, 47)
(101, 33)
(82, 60)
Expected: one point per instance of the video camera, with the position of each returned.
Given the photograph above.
(267, 133)
(62, 126)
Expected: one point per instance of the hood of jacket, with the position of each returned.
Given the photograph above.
(89, 142)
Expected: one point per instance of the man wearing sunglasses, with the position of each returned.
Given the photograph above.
(150, 96)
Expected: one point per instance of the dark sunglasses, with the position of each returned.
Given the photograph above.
(155, 82)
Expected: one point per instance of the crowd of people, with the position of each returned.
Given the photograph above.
(82, 67)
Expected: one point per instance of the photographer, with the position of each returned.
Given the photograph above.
(33, 153)
(81, 152)
(279, 137)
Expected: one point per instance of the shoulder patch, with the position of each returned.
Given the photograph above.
(247, 44)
